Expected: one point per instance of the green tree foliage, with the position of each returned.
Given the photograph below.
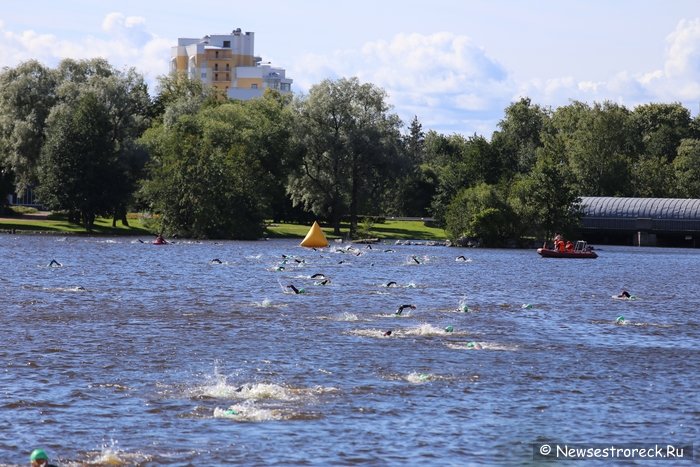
(178, 95)
(269, 130)
(27, 94)
(479, 212)
(600, 144)
(520, 135)
(662, 127)
(349, 142)
(203, 178)
(79, 167)
(653, 177)
(458, 163)
(545, 200)
(686, 167)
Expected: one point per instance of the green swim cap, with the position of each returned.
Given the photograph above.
(449, 329)
(620, 319)
(231, 412)
(38, 454)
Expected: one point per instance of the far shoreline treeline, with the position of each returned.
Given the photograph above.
(90, 141)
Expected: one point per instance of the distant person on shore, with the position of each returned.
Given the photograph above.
(39, 458)
(54, 264)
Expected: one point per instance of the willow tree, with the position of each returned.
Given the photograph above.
(349, 140)
(27, 94)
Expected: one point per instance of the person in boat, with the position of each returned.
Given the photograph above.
(403, 307)
(569, 246)
(54, 264)
(624, 294)
(160, 240)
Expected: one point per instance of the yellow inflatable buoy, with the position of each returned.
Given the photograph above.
(315, 238)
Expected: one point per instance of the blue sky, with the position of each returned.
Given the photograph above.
(454, 64)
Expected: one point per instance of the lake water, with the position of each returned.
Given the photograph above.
(136, 354)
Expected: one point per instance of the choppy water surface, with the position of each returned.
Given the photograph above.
(135, 354)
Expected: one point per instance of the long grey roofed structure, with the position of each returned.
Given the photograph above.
(647, 214)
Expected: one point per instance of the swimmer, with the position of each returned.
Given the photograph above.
(624, 294)
(403, 307)
(460, 258)
(39, 458)
(216, 261)
(389, 251)
(620, 320)
(369, 247)
(474, 346)
(387, 333)
(296, 291)
(54, 264)
(299, 260)
(449, 329)
(318, 276)
(415, 259)
(323, 282)
(391, 284)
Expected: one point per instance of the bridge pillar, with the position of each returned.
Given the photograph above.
(644, 239)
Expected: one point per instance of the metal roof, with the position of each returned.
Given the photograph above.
(646, 208)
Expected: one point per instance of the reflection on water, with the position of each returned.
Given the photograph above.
(135, 354)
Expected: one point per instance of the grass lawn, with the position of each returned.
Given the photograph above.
(390, 229)
(58, 223)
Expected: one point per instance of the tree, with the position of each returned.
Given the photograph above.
(27, 94)
(600, 143)
(545, 200)
(686, 168)
(203, 175)
(479, 212)
(458, 163)
(348, 140)
(520, 134)
(662, 127)
(79, 169)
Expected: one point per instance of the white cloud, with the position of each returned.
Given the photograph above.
(126, 43)
(443, 78)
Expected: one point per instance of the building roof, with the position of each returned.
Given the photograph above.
(649, 208)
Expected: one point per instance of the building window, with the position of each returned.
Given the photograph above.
(216, 77)
(204, 75)
(228, 77)
(227, 67)
(227, 44)
(216, 67)
(285, 87)
(216, 54)
(254, 86)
